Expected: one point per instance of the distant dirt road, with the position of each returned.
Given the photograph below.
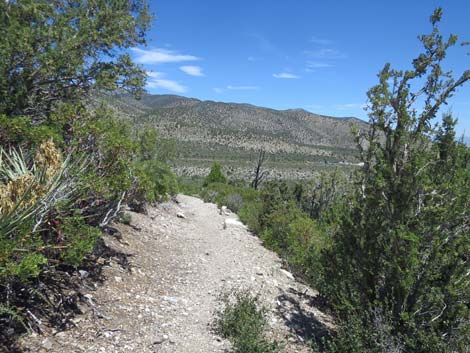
(182, 259)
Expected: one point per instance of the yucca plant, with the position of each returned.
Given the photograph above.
(30, 187)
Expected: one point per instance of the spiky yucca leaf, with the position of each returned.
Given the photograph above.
(28, 191)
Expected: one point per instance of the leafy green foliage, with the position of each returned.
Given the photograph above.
(52, 55)
(323, 197)
(108, 141)
(216, 175)
(57, 51)
(155, 178)
(123, 163)
(250, 215)
(125, 218)
(242, 320)
(22, 131)
(80, 239)
(397, 269)
(156, 181)
(228, 194)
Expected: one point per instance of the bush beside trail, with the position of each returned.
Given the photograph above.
(67, 166)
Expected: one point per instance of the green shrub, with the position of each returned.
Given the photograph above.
(155, 180)
(125, 218)
(227, 194)
(190, 185)
(108, 142)
(242, 321)
(22, 131)
(250, 215)
(276, 228)
(79, 239)
(215, 175)
(234, 202)
(397, 273)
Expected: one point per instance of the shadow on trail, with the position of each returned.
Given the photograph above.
(295, 309)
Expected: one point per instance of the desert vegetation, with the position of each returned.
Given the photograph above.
(66, 167)
(386, 246)
(242, 320)
(382, 233)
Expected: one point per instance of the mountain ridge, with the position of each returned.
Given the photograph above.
(188, 100)
(207, 130)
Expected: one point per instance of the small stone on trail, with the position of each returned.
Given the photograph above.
(287, 273)
(47, 344)
(217, 343)
(180, 215)
(160, 339)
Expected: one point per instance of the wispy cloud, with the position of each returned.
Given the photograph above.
(243, 88)
(254, 58)
(192, 70)
(320, 41)
(285, 75)
(159, 56)
(348, 106)
(156, 80)
(263, 42)
(235, 88)
(312, 66)
(325, 53)
(318, 65)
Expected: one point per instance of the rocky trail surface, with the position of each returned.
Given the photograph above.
(183, 255)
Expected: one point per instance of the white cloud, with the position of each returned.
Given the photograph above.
(350, 106)
(243, 88)
(312, 66)
(156, 80)
(325, 53)
(155, 74)
(235, 88)
(285, 75)
(192, 70)
(320, 41)
(318, 65)
(158, 56)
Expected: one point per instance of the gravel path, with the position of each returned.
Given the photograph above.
(184, 254)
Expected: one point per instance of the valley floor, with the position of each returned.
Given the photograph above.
(182, 258)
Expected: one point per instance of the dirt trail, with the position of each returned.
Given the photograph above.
(179, 268)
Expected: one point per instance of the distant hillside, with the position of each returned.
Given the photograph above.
(208, 130)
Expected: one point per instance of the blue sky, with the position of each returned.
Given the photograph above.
(322, 56)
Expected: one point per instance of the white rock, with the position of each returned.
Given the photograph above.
(47, 344)
(287, 273)
(230, 222)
